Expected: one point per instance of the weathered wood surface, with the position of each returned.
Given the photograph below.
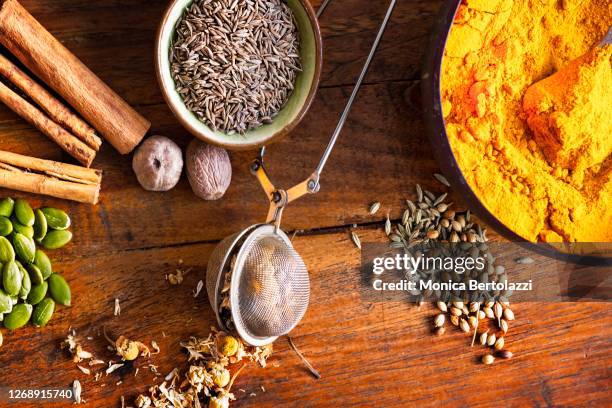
(369, 353)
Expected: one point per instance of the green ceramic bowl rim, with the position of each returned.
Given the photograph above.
(288, 117)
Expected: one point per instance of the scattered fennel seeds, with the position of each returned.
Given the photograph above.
(442, 179)
(76, 392)
(356, 239)
(374, 208)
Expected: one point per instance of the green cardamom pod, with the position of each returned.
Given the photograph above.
(41, 260)
(56, 239)
(11, 278)
(19, 316)
(35, 273)
(60, 291)
(6, 226)
(24, 212)
(40, 225)
(7, 253)
(25, 248)
(26, 283)
(6, 207)
(43, 312)
(56, 218)
(37, 293)
(23, 229)
(6, 303)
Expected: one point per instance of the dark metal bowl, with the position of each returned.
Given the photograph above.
(434, 120)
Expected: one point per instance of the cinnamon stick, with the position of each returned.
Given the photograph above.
(56, 66)
(67, 141)
(50, 178)
(55, 109)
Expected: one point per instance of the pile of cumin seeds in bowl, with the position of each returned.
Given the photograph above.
(235, 63)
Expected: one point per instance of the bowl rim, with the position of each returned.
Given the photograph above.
(286, 130)
(436, 128)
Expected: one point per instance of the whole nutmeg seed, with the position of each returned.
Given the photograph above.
(158, 163)
(209, 170)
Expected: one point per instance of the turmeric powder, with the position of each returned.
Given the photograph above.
(540, 159)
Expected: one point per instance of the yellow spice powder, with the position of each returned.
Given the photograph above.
(539, 159)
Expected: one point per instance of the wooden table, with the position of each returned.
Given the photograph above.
(369, 354)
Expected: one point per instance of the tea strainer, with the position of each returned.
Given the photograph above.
(257, 283)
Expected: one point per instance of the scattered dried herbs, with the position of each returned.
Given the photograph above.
(207, 381)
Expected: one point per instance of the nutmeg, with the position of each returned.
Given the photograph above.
(209, 170)
(158, 164)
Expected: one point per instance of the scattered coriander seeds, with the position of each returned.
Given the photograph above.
(464, 325)
(440, 331)
(489, 313)
(439, 320)
(483, 338)
(506, 354)
(491, 340)
(508, 314)
(503, 326)
(488, 359)
(498, 310)
(499, 344)
(456, 312)
(454, 320)
(442, 306)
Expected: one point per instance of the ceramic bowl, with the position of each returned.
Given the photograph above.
(434, 120)
(293, 112)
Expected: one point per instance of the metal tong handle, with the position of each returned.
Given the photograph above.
(280, 198)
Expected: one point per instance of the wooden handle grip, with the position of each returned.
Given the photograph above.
(61, 70)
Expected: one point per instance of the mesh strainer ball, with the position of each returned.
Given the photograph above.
(270, 287)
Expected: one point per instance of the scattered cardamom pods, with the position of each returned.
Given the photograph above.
(43, 312)
(38, 293)
(24, 213)
(40, 225)
(23, 229)
(26, 283)
(7, 253)
(56, 239)
(56, 218)
(6, 207)
(11, 278)
(36, 275)
(6, 226)
(59, 289)
(25, 248)
(6, 303)
(19, 316)
(42, 261)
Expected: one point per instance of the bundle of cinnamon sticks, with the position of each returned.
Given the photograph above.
(102, 112)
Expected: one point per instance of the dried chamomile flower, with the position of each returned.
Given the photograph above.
(130, 350)
(227, 346)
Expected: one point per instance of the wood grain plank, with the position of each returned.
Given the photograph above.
(116, 39)
(370, 353)
(382, 152)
